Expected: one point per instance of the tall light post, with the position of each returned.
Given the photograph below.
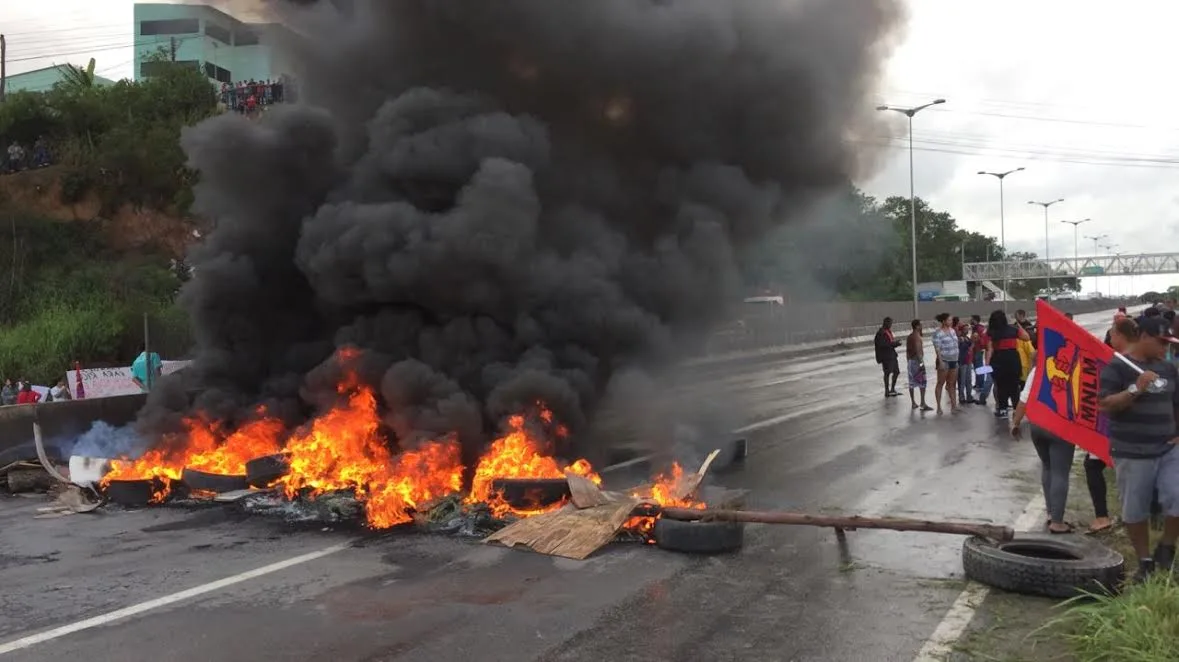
(1002, 226)
(1108, 275)
(910, 112)
(1096, 239)
(1076, 254)
(1046, 205)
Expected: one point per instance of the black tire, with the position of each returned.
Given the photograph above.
(1055, 566)
(732, 455)
(262, 471)
(698, 537)
(531, 493)
(131, 493)
(204, 481)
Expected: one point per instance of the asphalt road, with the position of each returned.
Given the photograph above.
(821, 438)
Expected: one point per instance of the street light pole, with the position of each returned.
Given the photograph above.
(1108, 274)
(1095, 240)
(1076, 253)
(1002, 227)
(1046, 205)
(909, 113)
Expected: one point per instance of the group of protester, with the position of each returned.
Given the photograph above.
(21, 392)
(1138, 395)
(1003, 350)
(252, 96)
(17, 157)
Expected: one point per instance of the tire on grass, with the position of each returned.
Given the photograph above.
(698, 537)
(262, 471)
(204, 481)
(1054, 566)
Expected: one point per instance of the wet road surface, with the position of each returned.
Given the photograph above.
(821, 438)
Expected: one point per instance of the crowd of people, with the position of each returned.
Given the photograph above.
(1138, 395)
(21, 392)
(17, 157)
(971, 359)
(252, 97)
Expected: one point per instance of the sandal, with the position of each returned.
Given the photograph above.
(1068, 529)
(1113, 522)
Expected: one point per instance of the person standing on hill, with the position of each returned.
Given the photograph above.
(146, 369)
(886, 355)
(915, 362)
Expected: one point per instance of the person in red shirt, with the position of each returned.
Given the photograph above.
(251, 105)
(27, 395)
(982, 384)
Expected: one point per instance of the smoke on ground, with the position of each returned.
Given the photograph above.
(511, 201)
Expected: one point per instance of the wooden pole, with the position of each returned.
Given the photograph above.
(992, 531)
(3, 66)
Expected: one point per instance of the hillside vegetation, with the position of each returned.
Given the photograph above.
(69, 289)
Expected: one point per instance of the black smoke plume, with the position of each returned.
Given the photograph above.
(508, 201)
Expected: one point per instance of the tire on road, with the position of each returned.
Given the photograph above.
(262, 471)
(1055, 566)
(531, 493)
(698, 537)
(131, 493)
(204, 481)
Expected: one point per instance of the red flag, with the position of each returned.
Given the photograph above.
(79, 390)
(1067, 383)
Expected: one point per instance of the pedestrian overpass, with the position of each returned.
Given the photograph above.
(1141, 264)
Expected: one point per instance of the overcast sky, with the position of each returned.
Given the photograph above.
(1076, 91)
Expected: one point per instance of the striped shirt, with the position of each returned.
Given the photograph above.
(945, 343)
(1146, 427)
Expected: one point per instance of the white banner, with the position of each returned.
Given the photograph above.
(105, 382)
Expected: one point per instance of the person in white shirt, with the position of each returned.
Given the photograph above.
(945, 347)
(1056, 461)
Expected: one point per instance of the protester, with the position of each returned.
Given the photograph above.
(1120, 315)
(1021, 319)
(1142, 434)
(965, 364)
(1003, 357)
(8, 393)
(886, 356)
(60, 391)
(1056, 462)
(945, 347)
(982, 341)
(146, 370)
(27, 395)
(1123, 333)
(915, 362)
(1027, 359)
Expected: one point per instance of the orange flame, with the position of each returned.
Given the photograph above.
(344, 450)
(665, 492)
(518, 454)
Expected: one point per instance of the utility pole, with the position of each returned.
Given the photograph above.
(1046, 205)
(172, 48)
(3, 65)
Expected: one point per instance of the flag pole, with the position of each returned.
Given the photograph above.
(1159, 383)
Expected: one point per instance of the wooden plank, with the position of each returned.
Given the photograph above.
(689, 484)
(571, 532)
(583, 492)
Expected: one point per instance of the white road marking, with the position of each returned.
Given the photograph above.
(778, 420)
(941, 643)
(133, 610)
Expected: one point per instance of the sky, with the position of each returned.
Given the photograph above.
(1070, 90)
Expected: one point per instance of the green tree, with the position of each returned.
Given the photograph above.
(76, 77)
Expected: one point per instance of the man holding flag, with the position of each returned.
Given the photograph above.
(1140, 399)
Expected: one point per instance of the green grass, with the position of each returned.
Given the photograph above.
(1139, 625)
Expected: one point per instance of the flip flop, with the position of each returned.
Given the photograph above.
(1070, 529)
(1113, 523)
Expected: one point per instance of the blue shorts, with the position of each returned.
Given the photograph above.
(1138, 478)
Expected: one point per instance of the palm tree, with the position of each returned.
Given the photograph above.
(77, 77)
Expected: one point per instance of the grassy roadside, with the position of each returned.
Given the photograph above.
(1141, 625)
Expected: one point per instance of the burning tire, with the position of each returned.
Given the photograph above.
(262, 471)
(1054, 566)
(204, 481)
(132, 493)
(698, 537)
(531, 493)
